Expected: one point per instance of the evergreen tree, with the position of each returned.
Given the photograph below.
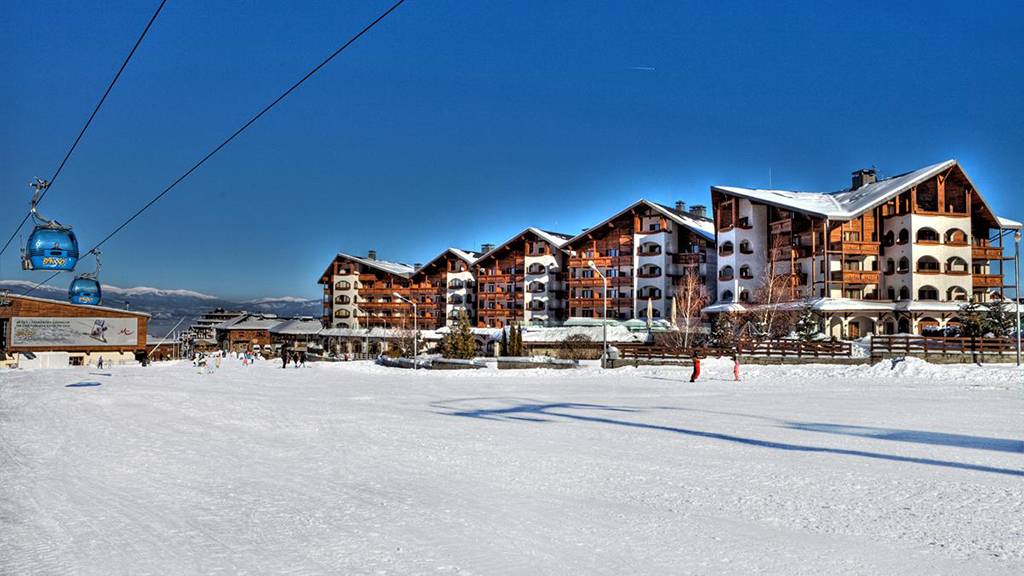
(459, 343)
(520, 351)
(972, 319)
(723, 332)
(998, 321)
(504, 350)
(807, 323)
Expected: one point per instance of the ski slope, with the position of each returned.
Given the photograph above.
(358, 469)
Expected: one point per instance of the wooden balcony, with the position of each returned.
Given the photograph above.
(688, 259)
(986, 252)
(856, 248)
(782, 226)
(856, 276)
(499, 313)
(597, 302)
(987, 280)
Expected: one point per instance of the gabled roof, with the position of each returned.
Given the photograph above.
(702, 226)
(297, 326)
(396, 268)
(556, 239)
(468, 256)
(848, 204)
(88, 306)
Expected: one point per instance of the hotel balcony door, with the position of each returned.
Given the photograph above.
(853, 332)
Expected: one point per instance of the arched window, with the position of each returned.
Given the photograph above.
(892, 293)
(926, 323)
(956, 237)
(536, 268)
(904, 293)
(343, 285)
(928, 265)
(655, 313)
(889, 239)
(957, 265)
(455, 299)
(904, 265)
(341, 324)
(726, 273)
(342, 314)
(744, 295)
(343, 299)
(537, 287)
(745, 273)
(536, 305)
(745, 247)
(650, 292)
(649, 271)
(726, 249)
(456, 283)
(890, 266)
(726, 295)
(956, 294)
(927, 293)
(927, 236)
(650, 249)
(904, 236)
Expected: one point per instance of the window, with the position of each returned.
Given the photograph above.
(343, 299)
(956, 237)
(537, 287)
(726, 273)
(727, 296)
(904, 265)
(890, 266)
(889, 239)
(455, 299)
(956, 293)
(726, 248)
(649, 271)
(456, 283)
(536, 305)
(536, 268)
(650, 249)
(927, 236)
(342, 314)
(613, 252)
(745, 247)
(745, 273)
(650, 292)
(744, 295)
(904, 236)
(927, 293)
(928, 265)
(892, 293)
(957, 265)
(343, 285)
(904, 293)
(851, 236)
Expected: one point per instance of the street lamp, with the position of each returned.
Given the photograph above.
(604, 315)
(415, 330)
(1016, 285)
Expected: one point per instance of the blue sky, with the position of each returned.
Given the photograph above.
(458, 123)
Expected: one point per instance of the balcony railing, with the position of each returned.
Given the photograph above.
(986, 252)
(856, 247)
(689, 259)
(987, 280)
(856, 276)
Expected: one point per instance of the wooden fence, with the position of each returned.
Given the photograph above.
(939, 346)
(763, 348)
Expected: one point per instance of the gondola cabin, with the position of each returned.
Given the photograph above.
(84, 290)
(51, 248)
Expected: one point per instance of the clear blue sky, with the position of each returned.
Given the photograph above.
(457, 123)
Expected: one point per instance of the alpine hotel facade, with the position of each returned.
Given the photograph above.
(895, 255)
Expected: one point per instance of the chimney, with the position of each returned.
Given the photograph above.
(485, 248)
(417, 266)
(863, 177)
(680, 206)
(371, 254)
(699, 210)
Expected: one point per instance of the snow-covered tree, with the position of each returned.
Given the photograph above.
(723, 331)
(972, 319)
(807, 323)
(998, 321)
(459, 342)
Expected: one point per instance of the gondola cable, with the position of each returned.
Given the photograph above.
(81, 133)
(235, 134)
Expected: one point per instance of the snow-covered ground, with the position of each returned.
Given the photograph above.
(359, 469)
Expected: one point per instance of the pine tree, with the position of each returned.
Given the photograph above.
(998, 320)
(519, 351)
(459, 343)
(972, 319)
(504, 350)
(723, 332)
(807, 323)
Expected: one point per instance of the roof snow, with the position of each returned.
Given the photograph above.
(397, 268)
(468, 255)
(297, 326)
(556, 239)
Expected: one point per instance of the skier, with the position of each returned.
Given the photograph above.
(284, 357)
(302, 359)
(736, 367)
(99, 363)
(696, 366)
(216, 357)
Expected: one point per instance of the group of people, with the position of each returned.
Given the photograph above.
(297, 357)
(207, 363)
(698, 355)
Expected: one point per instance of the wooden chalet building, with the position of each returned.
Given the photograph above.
(883, 256)
(521, 281)
(645, 252)
(359, 292)
(444, 288)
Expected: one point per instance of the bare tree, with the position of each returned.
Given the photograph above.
(691, 297)
(771, 316)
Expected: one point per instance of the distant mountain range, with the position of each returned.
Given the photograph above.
(168, 306)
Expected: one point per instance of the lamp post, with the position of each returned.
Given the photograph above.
(415, 330)
(1016, 285)
(604, 314)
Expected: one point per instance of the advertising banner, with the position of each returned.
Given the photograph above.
(56, 332)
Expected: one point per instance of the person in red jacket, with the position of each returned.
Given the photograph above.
(696, 366)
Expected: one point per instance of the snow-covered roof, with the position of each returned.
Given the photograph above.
(1008, 224)
(252, 323)
(298, 326)
(89, 306)
(703, 226)
(372, 333)
(396, 268)
(466, 255)
(556, 239)
(849, 203)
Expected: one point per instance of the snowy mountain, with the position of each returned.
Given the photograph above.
(167, 307)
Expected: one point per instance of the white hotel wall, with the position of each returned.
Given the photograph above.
(465, 292)
(552, 264)
(757, 236)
